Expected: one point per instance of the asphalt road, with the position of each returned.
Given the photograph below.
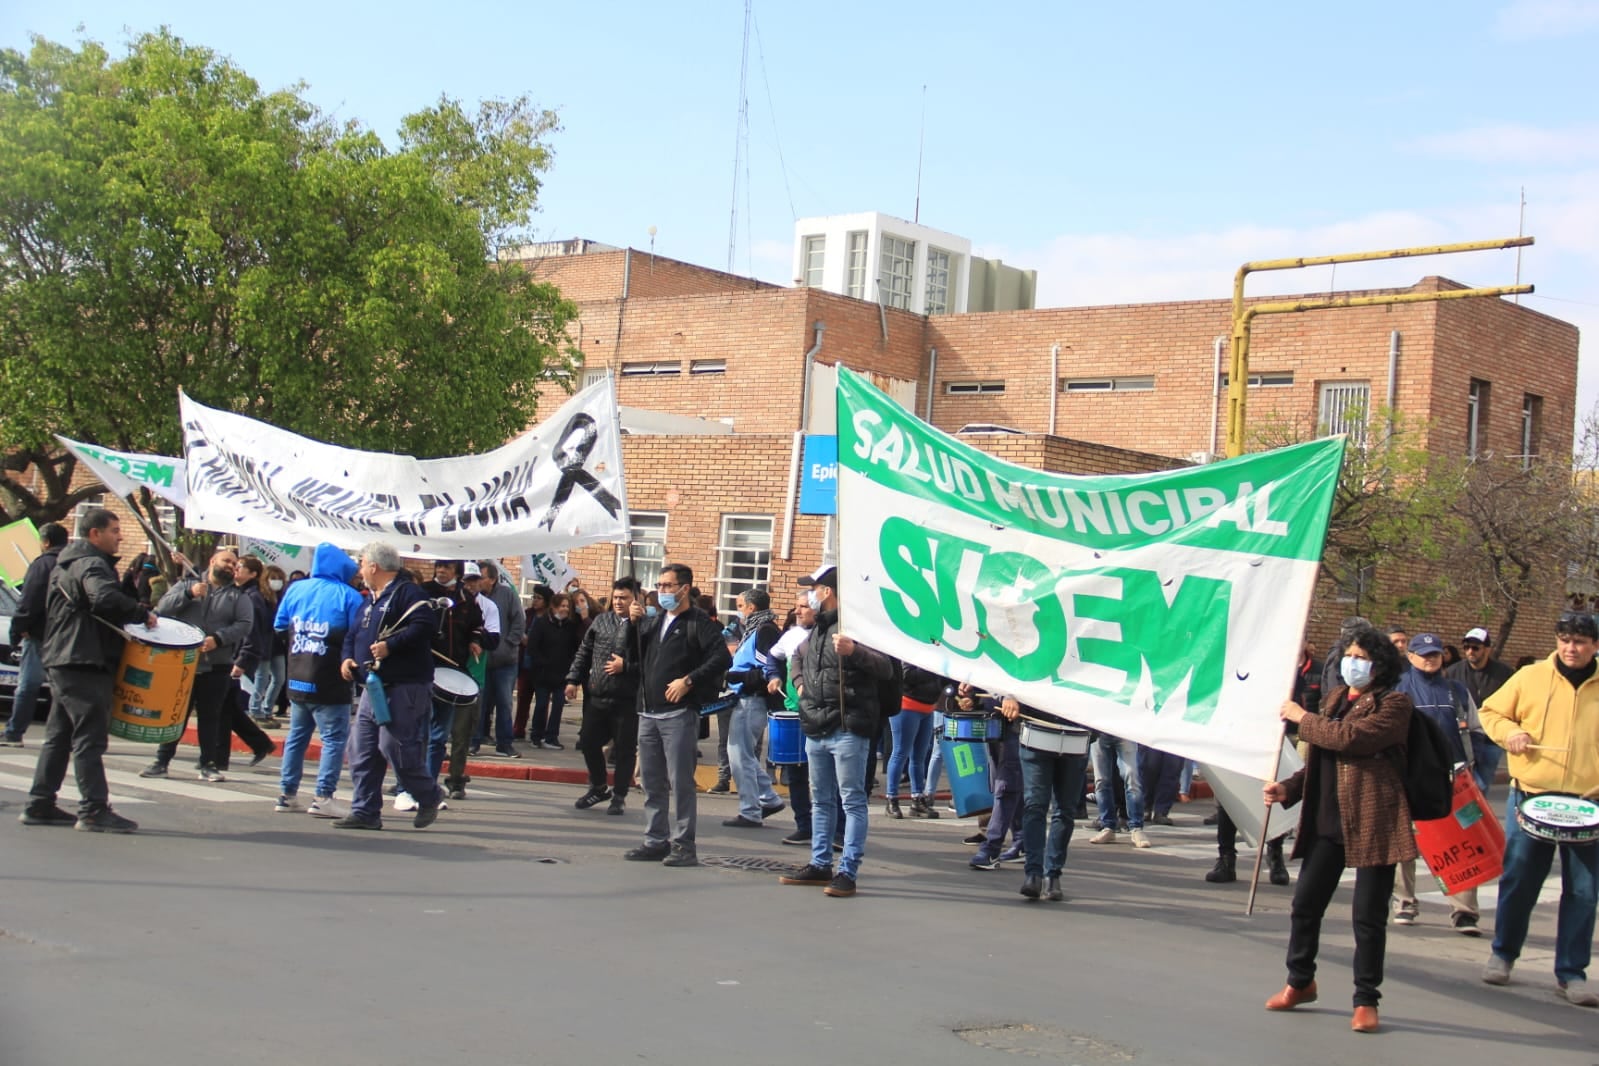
(226, 932)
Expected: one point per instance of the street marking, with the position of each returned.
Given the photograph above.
(69, 792)
(208, 793)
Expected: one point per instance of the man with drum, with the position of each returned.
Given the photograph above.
(1546, 717)
(84, 607)
(393, 639)
(459, 637)
(464, 722)
(1054, 759)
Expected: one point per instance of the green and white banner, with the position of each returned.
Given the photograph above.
(1166, 608)
(124, 473)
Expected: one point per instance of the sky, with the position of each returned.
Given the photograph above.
(1127, 152)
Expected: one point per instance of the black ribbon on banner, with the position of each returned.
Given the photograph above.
(571, 452)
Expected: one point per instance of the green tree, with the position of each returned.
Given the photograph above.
(166, 224)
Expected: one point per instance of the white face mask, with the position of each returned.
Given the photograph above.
(275, 585)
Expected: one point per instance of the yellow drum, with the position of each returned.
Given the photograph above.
(154, 679)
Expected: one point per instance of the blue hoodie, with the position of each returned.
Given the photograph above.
(314, 616)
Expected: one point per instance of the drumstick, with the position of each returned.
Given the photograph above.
(446, 658)
(1544, 747)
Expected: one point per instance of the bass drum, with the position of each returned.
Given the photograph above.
(1559, 818)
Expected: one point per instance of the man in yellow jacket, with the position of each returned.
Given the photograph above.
(1547, 718)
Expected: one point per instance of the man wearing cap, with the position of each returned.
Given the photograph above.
(1450, 707)
(459, 636)
(1478, 669)
(1547, 718)
(837, 682)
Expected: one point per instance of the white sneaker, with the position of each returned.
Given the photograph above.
(1579, 993)
(444, 804)
(286, 804)
(1139, 839)
(405, 802)
(1104, 836)
(1496, 971)
(322, 807)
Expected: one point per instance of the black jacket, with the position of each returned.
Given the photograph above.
(834, 694)
(259, 644)
(222, 613)
(459, 627)
(29, 619)
(84, 595)
(607, 635)
(693, 648)
(552, 644)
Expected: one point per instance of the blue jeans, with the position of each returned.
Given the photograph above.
(30, 678)
(496, 704)
(745, 730)
(440, 722)
(268, 679)
(1047, 776)
(913, 736)
(1111, 753)
(838, 771)
(332, 720)
(935, 758)
(1527, 862)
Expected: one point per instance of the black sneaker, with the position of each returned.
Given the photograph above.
(618, 806)
(645, 853)
(818, 876)
(721, 788)
(591, 797)
(262, 756)
(9, 741)
(777, 808)
(975, 838)
(555, 745)
(47, 815)
(473, 750)
(155, 769)
(741, 822)
(798, 839)
(355, 821)
(537, 743)
(457, 793)
(983, 861)
(841, 887)
(681, 856)
(425, 816)
(507, 752)
(1465, 924)
(106, 821)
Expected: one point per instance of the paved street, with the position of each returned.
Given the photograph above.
(224, 931)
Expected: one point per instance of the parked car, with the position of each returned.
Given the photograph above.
(9, 659)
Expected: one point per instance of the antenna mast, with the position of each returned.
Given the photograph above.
(741, 135)
(921, 140)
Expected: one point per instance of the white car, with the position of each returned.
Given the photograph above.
(9, 657)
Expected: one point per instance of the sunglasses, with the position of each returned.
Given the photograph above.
(1578, 623)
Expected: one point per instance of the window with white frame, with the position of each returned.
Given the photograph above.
(593, 377)
(743, 557)
(645, 555)
(855, 265)
(1262, 379)
(973, 388)
(937, 281)
(708, 366)
(895, 269)
(1135, 383)
(1477, 394)
(815, 247)
(658, 367)
(1343, 408)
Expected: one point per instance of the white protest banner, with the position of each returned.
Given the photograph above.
(1239, 795)
(286, 557)
(557, 486)
(1165, 608)
(124, 473)
(548, 568)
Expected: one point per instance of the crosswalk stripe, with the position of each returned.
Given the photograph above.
(208, 793)
(69, 793)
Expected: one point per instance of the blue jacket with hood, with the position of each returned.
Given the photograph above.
(314, 616)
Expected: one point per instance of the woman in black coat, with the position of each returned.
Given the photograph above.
(552, 643)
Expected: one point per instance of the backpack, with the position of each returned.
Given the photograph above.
(1428, 771)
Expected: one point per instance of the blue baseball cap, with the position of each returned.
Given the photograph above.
(1426, 644)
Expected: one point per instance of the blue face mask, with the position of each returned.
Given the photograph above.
(1356, 672)
(668, 601)
(815, 598)
(650, 610)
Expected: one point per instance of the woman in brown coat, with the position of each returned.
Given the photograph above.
(1352, 814)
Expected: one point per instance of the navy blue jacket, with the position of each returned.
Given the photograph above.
(410, 656)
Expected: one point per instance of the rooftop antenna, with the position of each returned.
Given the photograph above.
(652, 249)
(921, 140)
(741, 135)
(1521, 231)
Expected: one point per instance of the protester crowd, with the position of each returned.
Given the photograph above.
(417, 673)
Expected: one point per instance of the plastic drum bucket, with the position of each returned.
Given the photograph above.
(785, 745)
(150, 698)
(1466, 847)
(967, 766)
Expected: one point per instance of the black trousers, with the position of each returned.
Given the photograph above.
(1318, 880)
(1227, 836)
(609, 724)
(76, 731)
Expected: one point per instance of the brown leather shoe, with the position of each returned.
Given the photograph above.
(1365, 1020)
(1291, 997)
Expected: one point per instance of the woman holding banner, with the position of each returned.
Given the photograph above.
(1353, 814)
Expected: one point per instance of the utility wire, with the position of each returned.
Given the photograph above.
(771, 109)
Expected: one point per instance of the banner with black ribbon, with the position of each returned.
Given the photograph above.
(557, 486)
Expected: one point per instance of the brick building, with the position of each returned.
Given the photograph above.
(1114, 388)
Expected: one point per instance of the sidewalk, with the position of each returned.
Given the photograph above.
(544, 764)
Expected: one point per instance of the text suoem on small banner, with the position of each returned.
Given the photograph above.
(1164, 608)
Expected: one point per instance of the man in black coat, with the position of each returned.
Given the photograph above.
(84, 608)
(27, 633)
(607, 661)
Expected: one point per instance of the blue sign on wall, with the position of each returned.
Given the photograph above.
(819, 479)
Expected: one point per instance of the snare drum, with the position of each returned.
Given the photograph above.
(454, 687)
(973, 726)
(1559, 818)
(1054, 739)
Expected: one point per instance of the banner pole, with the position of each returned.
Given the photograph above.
(1265, 824)
(133, 505)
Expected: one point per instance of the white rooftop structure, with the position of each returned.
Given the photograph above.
(873, 256)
